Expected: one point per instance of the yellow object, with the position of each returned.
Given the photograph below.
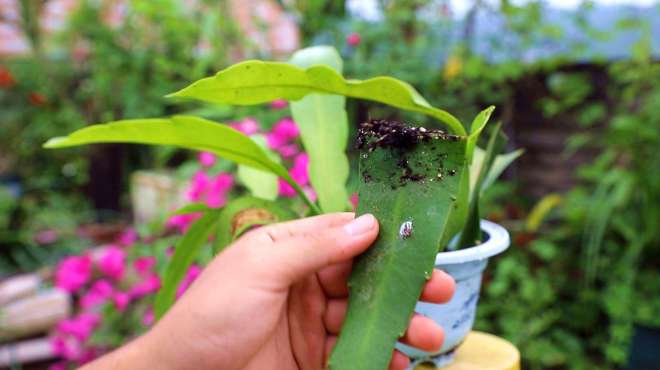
(482, 351)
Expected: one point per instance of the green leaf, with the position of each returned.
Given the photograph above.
(185, 251)
(243, 213)
(255, 82)
(471, 234)
(476, 128)
(418, 185)
(185, 132)
(191, 208)
(323, 126)
(260, 183)
(501, 162)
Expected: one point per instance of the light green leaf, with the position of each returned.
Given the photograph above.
(185, 132)
(255, 82)
(476, 128)
(323, 126)
(501, 162)
(185, 252)
(260, 183)
(471, 234)
(387, 279)
(191, 208)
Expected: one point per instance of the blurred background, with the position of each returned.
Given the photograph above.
(576, 85)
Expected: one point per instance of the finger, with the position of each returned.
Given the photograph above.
(424, 333)
(399, 361)
(314, 248)
(439, 289)
(330, 342)
(334, 279)
(290, 229)
(334, 315)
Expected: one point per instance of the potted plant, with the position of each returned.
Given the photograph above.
(421, 183)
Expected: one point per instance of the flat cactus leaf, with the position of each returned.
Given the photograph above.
(410, 181)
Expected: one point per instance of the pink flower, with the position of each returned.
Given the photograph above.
(98, 294)
(128, 237)
(58, 365)
(148, 317)
(288, 151)
(353, 39)
(354, 200)
(47, 236)
(183, 222)
(300, 174)
(148, 286)
(73, 273)
(200, 182)
(206, 159)
(121, 300)
(191, 275)
(79, 327)
(113, 262)
(143, 265)
(217, 192)
(282, 133)
(248, 126)
(278, 104)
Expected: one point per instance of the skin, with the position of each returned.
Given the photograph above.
(275, 299)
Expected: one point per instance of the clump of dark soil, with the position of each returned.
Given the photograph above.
(396, 135)
(401, 138)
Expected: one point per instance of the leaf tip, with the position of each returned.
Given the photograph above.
(56, 142)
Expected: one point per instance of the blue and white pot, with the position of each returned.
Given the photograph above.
(457, 316)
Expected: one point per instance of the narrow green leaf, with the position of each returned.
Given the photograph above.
(471, 233)
(476, 128)
(501, 162)
(261, 184)
(243, 213)
(185, 132)
(412, 191)
(191, 208)
(323, 126)
(255, 82)
(185, 251)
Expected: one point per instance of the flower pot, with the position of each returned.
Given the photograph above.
(457, 316)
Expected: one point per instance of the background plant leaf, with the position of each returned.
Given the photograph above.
(185, 252)
(471, 234)
(261, 184)
(387, 279)
(323, 126)
(255, 82)
(185, 132)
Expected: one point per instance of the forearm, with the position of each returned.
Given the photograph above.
(136, 355)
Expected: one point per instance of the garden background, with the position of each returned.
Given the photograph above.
(578, 88)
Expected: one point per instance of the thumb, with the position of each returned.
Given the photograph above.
(313, 246)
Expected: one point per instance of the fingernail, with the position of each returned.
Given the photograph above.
(360, 225)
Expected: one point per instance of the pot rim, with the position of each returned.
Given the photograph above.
(498, 241)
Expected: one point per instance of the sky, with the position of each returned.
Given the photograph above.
(367, 8)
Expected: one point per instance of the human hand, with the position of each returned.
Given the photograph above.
(276, 299)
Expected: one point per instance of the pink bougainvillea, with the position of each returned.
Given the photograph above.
(121, 300)
(128, 237)
(278, 104)
(283, 132)
(206, 159)
(73, 272)
(300, 174)
(248, 126)
(193, 272)
(149, 285)
(353, 39)
(113, 262)
(144, 265)
(98, 294)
